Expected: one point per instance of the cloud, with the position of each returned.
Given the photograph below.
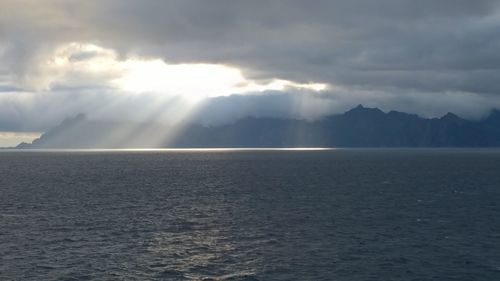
(32, 112)
(422, 56)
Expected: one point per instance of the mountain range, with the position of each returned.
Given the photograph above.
(358, 127)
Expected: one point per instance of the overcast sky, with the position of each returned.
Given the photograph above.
(294, 58)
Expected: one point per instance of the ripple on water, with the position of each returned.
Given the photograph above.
(252, 215)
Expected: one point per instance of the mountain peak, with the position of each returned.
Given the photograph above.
(451, 117)
(77, 118)
(495, 112)
(493, 117)
(360, 109)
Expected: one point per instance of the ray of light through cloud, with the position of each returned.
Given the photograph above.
(140, 61)
(173, 93)
(84, 64)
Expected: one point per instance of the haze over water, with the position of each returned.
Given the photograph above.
(349, 214)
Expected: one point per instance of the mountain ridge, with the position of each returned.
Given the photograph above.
(358, 127)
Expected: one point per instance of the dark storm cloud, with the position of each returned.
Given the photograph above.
(422, 45)
(407, 50)
(372, 43)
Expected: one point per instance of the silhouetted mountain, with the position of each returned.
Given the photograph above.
(358, 127)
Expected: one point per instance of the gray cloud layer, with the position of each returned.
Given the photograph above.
(423, 56)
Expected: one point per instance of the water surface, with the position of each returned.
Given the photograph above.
(355, 214)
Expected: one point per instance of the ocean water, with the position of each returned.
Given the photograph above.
(250, 215)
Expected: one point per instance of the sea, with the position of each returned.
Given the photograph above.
(254, 214)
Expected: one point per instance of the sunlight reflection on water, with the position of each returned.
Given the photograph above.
(341, 214)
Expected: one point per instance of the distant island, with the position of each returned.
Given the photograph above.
(358, 127)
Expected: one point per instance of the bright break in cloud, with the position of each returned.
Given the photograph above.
(222, 60)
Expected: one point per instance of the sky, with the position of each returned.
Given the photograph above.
(216, 61)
